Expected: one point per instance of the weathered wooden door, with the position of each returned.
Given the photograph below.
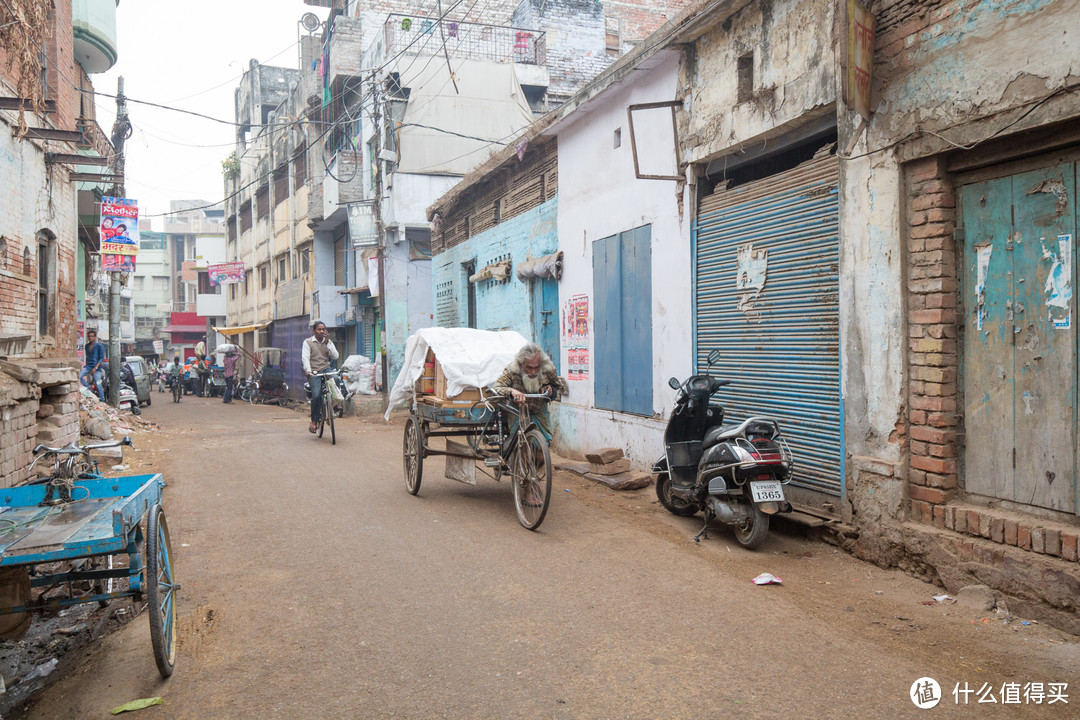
(545, 316)
(1020, 349)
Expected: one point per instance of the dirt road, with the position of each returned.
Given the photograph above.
(314, 586)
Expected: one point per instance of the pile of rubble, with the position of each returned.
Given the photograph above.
(610, 467)
(102, 421)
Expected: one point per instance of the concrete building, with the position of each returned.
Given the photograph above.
(885, 270)
(44, 248)
(512, 60)
(152, 294)
(194, 240)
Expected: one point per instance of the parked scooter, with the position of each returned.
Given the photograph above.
(732, 472)
(128, 399)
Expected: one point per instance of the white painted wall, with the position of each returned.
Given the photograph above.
(600, 196)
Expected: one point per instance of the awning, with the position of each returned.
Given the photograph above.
(185, 329)
(353, 290)
(239, 329)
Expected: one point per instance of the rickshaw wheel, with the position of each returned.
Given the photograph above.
(413, 455)
(160, 595)
(532, 484)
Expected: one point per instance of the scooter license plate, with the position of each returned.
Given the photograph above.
(766, 491)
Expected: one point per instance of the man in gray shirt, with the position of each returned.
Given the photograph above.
(317, 354)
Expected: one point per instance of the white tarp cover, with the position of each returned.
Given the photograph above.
(469, 358)
(490, 105)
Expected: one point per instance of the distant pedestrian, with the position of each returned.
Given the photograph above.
(95, 357)
(230, 375)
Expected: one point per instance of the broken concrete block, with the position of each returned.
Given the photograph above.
(611, 468)
(604, 456)
(977, 597)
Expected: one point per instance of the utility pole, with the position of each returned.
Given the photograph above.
(121, 131)
(376, 216)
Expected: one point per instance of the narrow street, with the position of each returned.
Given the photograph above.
(314, 586)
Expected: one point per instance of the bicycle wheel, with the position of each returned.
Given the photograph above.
(328, 412)
(530, 467)
(161, 601)
(413, 455)
(176, 390)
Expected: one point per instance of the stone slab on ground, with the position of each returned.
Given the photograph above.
(622, 481)
(612, 468)
(574, 466)
(604, 456)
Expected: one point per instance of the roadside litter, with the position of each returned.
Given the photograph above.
(767, 579)
(136, 705)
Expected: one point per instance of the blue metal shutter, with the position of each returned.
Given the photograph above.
(780, 338)
(607, 324)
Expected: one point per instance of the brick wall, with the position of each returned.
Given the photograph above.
(932, 331)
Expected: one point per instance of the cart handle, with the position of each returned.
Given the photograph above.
(73, 449)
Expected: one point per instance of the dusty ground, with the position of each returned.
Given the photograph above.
(314, 586)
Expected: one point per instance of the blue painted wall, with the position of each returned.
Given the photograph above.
(499, 305)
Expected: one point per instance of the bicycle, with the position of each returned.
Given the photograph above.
(177, 388)
(328, 403)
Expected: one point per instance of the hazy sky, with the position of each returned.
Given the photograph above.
(189, 55)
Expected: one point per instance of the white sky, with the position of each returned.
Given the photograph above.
(189, 55)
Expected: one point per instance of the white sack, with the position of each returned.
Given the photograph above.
(469, 358)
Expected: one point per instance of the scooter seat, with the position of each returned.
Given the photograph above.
(719, 434)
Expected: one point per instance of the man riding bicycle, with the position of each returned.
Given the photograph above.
(318, 352)
(532, 373)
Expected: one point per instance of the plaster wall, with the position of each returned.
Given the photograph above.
(794, 73)
(410, 196)
(600, 196)
(961, 62)
(500, 305)
(408, 301)
(37, 197)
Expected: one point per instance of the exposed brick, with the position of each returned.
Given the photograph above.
(930, 495)
(960, 522)
(921, 512)
(927, 168)
(985, 521)
(935, 285)
(919, 448)
(972, 522)
(950, 517)
(1070, 546)
(933, 435)
(918, 477)
(918, 417)
(1038, 540)
(943, 482)
(942, 451)
(932, 316)
(1009, 532)
(939, 516)
(934, 465)
(967, 551)
(942, 420)
(1052, 542)
(933, 404)
(997, 530)
(935, 200)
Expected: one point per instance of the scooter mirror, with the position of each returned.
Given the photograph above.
(673, 383)
(714, 357)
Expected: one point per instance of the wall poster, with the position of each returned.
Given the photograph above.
(575, 337)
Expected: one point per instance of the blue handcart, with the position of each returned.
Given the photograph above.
(79, 520)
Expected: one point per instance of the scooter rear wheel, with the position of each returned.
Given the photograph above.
(753, 531)
(674, 505)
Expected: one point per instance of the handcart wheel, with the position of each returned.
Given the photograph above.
(532, 482)
(161, 600)
(413, 455)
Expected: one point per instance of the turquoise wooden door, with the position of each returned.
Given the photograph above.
(1020, 344)
(545, 305)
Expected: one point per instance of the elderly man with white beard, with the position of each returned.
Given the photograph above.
(532, 373)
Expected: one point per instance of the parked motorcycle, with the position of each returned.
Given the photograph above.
(735, 473)
(128, 398)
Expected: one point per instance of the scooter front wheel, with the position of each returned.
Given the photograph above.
(752, 532)
(674, 505)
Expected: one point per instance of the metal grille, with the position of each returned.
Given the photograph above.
(474, 41)
(766, 294)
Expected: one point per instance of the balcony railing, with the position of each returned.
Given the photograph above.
(474, 41)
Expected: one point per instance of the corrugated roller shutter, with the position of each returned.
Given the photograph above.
(780, 337)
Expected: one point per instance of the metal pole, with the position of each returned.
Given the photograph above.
(121, 131)
(376, 215)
